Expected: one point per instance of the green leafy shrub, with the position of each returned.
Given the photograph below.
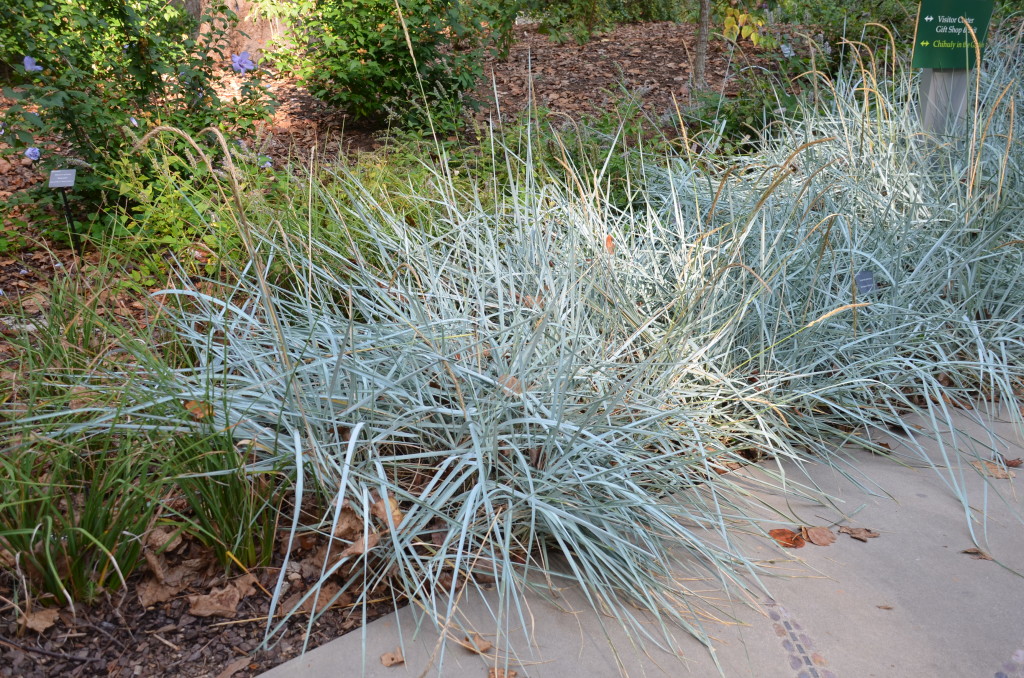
(372, 57)
(97, 73)
(847, 19)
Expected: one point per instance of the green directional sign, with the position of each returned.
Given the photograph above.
(943, 39)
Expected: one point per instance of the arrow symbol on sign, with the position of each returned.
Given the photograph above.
(925, 43)
(929, 18)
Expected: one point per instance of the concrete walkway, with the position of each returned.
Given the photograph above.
(906, 604)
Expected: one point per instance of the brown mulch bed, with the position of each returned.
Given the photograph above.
(650, 61)
(118, 635)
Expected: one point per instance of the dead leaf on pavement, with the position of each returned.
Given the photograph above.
(234, 667)
(819, 536)
(787, 538)
(501, 673)
(977, 554)
(1013, 463)
(859, 533)
(40, 620)
(477, 643)
(723, 467)
(392, 658)
(992, 470)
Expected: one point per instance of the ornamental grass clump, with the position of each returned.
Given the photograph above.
(512, 381)
(930, 227)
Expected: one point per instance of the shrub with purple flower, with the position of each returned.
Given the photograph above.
(98, 83)
(241, 63)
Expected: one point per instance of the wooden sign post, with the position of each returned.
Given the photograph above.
(949, 37)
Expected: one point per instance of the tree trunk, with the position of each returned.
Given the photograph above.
(700, 62)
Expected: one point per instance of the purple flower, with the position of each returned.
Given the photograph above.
(30, 65)
(242, 63)
(32, 153)
(267, 165)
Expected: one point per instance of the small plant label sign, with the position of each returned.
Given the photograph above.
(865, 282)
(62, 178)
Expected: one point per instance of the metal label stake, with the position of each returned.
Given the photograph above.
(65, 179)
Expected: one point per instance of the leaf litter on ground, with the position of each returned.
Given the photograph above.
(977, 553)
(859, 533)
(819, 536)
(787, 538)
(993, 470)
(392, 658)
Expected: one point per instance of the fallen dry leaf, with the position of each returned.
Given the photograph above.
(609, 244)
(787, 538)
(198, 409)
(222, 602)
(510, 384)
(859, 533)
(349, 525)
(819, 536)
(723, 467)
(993, 470)
(163, 539)
(323, 601)
(531, 301)
(234, 667)
(1013, 463)
(501, 673)
(152, 592)
(884, 607)
(392, 658)
(977, 554)
(246, 584)
(157, 565)
(477, 643)
(361, 545)
(381, 511)
(40, 620)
